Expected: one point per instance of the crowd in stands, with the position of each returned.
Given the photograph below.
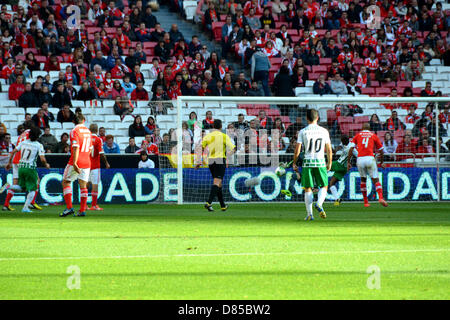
(281, 45)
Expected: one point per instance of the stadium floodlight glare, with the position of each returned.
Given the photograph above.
(300, 103)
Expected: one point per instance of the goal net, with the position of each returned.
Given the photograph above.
(414, 132)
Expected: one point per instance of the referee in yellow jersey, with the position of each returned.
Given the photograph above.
(218, 143)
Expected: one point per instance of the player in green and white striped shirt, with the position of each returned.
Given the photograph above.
(316, 141)
(339, 167)
(29, 150)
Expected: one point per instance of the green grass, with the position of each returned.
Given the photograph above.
(254, 251)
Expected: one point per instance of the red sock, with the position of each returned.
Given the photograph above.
(364, 192)
(379, 190)
(67, 192)
(9, 196)
(35, 195)
(94, 198)
(83, 199)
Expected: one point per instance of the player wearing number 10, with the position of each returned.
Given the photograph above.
(316, 140)
(78, 167)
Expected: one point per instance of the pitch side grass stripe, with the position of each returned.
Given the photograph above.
(227, 254)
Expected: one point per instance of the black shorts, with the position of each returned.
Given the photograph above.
(217, 170)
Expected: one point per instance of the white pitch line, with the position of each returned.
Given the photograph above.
(225, 254)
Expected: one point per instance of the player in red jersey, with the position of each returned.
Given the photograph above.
(23, 137)
(365, 142)
(78, 167)
(94, 176)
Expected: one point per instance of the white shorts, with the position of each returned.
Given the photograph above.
(15, 169)
(367, 166)
(94, 176)
(71, 175)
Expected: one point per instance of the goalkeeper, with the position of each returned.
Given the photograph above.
(218, 143)
(339, 167)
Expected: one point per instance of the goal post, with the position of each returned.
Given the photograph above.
(227, 108)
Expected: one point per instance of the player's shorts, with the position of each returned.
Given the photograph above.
(367, 166)
(15, 170)
(28, 179)
(339, 170)
(94, 176)
(312, 177)
(71, 175)
(217, 170)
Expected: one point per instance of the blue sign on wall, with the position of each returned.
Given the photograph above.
(160, 185)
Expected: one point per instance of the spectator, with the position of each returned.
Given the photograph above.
(424, 148)
(150, 126)
(136, 129)
(110, 146)
(165, 145)
(27, 99)
(352, 88)
(145, 162)
(412, 116)
(321, 87)
(375, 123)
(406, 146)
(282, 87)
(431, 127)
(383, 73)
(131, 148)
(444, 116)
(260, 70)
(394, 123)
(122, 107)
(118, 91)
(102, 133)
(128, 86)
(337, 85)
(65, 114)
(390, 146)
(209, 121)
(265, 122)
(41, 120)
(427, 92)
(139, 93)
(294, 128)
(48, 141)
(193, 122)
(61, 97)
(62, 144)
(16, 89)
(241, 123)
(237, 91)
(86, 93)
(363, 80)
(255, 90)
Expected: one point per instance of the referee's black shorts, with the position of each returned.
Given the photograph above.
(217, 170)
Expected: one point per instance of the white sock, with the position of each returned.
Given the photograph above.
(309, 198)
(322, 194)
(30, 197)
(16, 188)
(334, 192)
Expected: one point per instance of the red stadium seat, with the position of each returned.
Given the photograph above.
(342, 119)
(382, 91)
(404, 84)
(314, 76)
(217, 30)
(273, 112)
(319, 69)
(325, 61)
(369, 91)
(361, 119)
(331, 117)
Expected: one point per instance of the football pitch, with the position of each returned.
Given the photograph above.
(252, 251)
